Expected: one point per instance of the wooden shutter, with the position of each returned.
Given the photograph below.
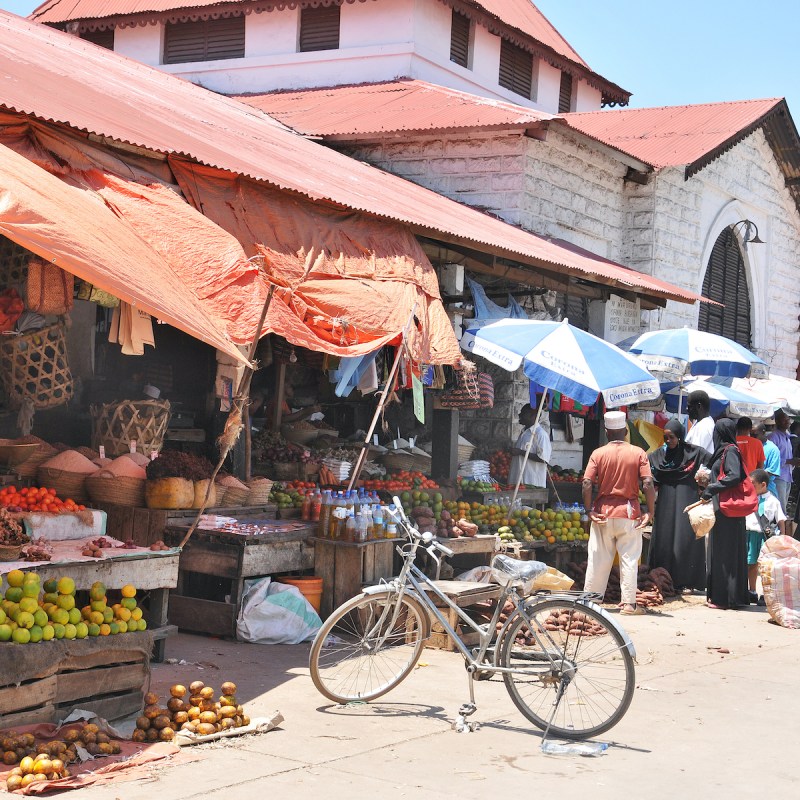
(204, 40)
(726, 282)
(565, 94)
(516, 68)
(101, 38)
(459, 39)
(319, 28)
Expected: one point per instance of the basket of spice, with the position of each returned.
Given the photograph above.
(12, 537)
(178, 480)
(120, 483)
(66, 472)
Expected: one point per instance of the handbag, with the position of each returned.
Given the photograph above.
(739, 500)
(466, 392)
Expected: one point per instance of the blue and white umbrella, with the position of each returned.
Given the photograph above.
(565, 359)
(674, 353)
(723, 399)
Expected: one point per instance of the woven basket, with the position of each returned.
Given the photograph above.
(235, 497)
(116, 425)
(29, 467)
(260, 489)
(10, 552)
(34, 366)
(406, 461)
(67, 484)
(105, 487)
(465, 452)
(222, 493)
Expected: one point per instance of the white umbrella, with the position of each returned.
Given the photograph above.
(723, 399)
(781, 392)
(564, 358)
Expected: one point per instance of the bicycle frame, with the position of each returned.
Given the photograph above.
(414, 582)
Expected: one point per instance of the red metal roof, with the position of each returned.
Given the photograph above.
(56, 11)
(673, 135)
(60, 78)
(389, 107)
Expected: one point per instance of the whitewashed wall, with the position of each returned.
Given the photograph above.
(378, 41)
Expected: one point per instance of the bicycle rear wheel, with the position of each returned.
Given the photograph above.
(365, 649)
(584, 674)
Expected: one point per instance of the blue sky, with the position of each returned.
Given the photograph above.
(676, 52)
(687, 51)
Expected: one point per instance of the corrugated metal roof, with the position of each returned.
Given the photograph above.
(389, 107)
(60, 78)
(56, 11)
(673, 135)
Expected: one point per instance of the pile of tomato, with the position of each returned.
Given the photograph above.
(401, 481)
(301, 487)
(32, 498)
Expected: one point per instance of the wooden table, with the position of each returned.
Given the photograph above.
(153, 573)
(232, 559)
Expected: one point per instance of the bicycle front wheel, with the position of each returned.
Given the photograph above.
(581, 674)
(367, 646)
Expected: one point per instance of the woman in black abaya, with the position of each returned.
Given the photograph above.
(673, 545)
(727, 548)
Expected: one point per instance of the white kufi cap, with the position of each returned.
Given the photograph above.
(615, 420)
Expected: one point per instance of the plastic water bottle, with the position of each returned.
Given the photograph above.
(589, 749)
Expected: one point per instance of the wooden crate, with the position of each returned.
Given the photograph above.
(463, 594)
(84, 674)
(347, 566)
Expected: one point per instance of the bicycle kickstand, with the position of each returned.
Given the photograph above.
(467, 710)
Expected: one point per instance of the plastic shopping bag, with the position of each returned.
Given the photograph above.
(275, 613)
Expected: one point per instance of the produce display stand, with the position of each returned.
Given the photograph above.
(147, 525)
(233, 558)
(347, 566)
(151, 572)
(43, 683)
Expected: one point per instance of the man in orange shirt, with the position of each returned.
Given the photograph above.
(617, 469)
(751, 448)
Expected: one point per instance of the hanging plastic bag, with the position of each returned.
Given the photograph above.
(275, 613)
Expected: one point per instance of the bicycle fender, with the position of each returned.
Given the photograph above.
(603, 613)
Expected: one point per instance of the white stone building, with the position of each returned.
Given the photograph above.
(486, 103)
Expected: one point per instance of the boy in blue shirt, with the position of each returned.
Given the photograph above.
(765, 521)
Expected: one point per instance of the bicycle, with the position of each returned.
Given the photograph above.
(566, 663)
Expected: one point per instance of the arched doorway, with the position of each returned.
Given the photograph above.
(726, 282)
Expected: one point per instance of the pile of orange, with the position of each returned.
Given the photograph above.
(32, 498)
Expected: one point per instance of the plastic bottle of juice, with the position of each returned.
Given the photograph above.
(324, 514)
(377, 521)
(316, 505)
(305, 509)
(338, 514)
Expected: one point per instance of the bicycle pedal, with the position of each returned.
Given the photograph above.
(467, 710)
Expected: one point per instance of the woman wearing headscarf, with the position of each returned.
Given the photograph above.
(673, 545)
(727, 545)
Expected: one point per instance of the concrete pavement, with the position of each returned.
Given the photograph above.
(702, 723)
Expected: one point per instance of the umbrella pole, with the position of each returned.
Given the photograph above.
(681, 418)
(528, 450)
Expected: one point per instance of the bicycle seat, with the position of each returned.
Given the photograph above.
(513, 569)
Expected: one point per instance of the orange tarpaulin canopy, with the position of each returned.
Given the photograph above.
(75, 230)
(348, 283)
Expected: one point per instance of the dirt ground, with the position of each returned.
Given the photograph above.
(716, 700)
